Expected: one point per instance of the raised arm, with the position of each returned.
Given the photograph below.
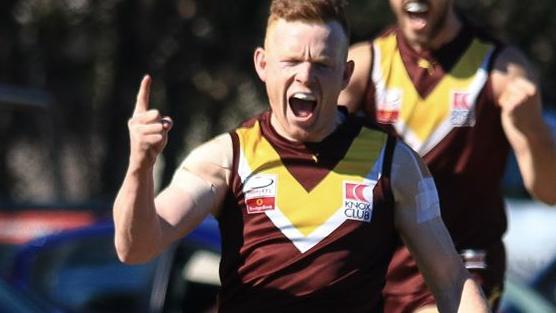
(352, 96)
(519, 99)
(418, 220)
(145, 225)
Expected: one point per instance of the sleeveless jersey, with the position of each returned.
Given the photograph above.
(448, 115)
(307, 227)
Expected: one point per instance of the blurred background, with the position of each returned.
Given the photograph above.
(69, 73)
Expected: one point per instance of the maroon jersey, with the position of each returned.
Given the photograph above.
(441, 103)
(307, 227)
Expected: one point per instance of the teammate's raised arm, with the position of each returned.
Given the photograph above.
(519, 99)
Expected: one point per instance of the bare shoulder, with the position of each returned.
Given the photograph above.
(361, 55)
(360, 51)
(207, 151)
(211, 160)
(198, 187)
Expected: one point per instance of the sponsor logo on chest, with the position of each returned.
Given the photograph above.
(388, 105)
(462, 112)
(260, 193)
(358, 201)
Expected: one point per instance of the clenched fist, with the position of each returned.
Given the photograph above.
(148, 130)
(520, 102)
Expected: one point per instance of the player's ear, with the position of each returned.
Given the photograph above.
(259, 57)
(348, 71)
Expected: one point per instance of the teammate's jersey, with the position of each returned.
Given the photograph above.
(442, 106)
(307, 227)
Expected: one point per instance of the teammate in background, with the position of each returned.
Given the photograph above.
(309, 201)
(462, 101)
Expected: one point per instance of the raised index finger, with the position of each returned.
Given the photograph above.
(142, 102)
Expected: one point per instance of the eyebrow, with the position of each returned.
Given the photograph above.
(294, 56)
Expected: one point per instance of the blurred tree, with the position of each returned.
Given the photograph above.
(90, 56)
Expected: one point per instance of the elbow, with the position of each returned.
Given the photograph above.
(543, 194)
(549, 199)
(130, 256)
(131, 259)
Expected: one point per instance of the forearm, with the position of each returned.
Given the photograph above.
(137, 226)
(519, 98)
(536, 156)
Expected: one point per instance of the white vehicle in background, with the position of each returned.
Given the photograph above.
(531, 237)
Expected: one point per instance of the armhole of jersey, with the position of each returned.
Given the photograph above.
(387, 165)
(489, 87)
(235, 160)
(497, 49)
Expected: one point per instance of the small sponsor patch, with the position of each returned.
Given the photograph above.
(462, 113)
(387, 117)
(259, 205)
(388, 106)
(358, 201)
(260, 193)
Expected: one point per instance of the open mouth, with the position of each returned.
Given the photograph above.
(417, 12)
(416, 7)
(302, 104)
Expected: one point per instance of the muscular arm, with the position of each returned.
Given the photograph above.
(353, 94)
(146, 225)
(418, 220)
(519, 99)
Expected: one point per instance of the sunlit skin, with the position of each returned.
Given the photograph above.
(304, 68)
(426, 24)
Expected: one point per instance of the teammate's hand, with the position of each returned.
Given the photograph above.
(520, 102)
(148, 130)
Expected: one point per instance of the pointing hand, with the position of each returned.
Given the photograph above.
(148, 130)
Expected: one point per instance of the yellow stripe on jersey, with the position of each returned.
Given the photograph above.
(419, 119)
(307, 211)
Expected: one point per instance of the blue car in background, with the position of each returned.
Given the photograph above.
(78, 271)
(15, 300)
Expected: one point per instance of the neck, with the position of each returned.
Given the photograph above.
(315, 134)
(448, 32)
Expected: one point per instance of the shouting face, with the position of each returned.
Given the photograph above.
(304, 69)
(423, 22)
